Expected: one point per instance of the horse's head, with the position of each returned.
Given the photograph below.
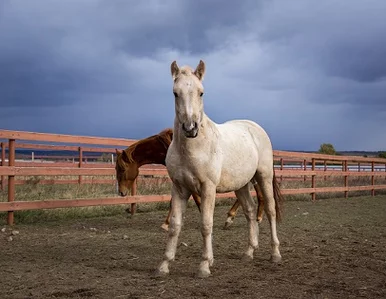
(126, 172)
(188, 91)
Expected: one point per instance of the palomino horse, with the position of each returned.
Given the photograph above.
(152, 150)
(205, 158)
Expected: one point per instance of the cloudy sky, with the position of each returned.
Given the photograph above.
(308, 71)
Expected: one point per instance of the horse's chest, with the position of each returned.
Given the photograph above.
(191, 173)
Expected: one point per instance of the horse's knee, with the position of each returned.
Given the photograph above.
(206, 229)
(174, 227)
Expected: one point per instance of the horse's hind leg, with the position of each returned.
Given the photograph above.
(165, 225)
(260, 207)
(260, 202)
(231, 214)
(249, 208)
(265, 181)
(197, 200)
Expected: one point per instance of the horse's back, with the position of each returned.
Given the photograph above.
(245, 138)
(239, 130)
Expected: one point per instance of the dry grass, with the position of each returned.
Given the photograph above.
(32, 191)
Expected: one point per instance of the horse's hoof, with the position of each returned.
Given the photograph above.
(211, 262)
(275, 258)
(203, 273)
(247, 258)
(227, 224)
(165, 227)
(158, 273)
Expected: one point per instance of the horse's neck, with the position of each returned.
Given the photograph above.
(153, 152)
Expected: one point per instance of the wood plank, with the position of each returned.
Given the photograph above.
(70, 203)
(62, 138)
(321, 157)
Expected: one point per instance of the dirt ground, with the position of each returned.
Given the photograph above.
(333, 248)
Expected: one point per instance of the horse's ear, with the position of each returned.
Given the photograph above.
(200, 70)
(170, 134)
(125, 157)
(175, 70)
(118, 152)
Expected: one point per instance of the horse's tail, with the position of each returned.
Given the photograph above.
(278, 198)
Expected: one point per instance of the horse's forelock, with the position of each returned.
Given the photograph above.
(120, 163)
(186, 71)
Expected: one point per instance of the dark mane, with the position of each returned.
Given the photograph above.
(121, 165)
(165, 137)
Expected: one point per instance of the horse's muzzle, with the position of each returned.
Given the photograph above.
(190, 129)
(122, 193)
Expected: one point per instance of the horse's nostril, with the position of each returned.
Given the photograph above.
(190, 127)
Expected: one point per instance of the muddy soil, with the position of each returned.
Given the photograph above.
(333, 248)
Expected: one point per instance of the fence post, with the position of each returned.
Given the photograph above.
(372, 179)
(346, 178)
(305, 168)
(325, 169)
(133, 192)
(80, 163)
(313, 194)
(2, 164)
(11, 179)
(281, 168)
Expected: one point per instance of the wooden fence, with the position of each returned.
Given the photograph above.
(294, 165)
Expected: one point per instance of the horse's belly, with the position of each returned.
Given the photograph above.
(239, 164)
(236, 177)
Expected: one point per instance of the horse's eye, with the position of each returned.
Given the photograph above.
(175, 94)
(201, 94)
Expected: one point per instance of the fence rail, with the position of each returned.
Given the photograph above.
(293, 165)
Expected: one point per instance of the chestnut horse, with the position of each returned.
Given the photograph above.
(152, 150)
(206, 158)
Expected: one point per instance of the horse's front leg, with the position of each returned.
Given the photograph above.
(179, 200)
(249, 208)
(208, 196)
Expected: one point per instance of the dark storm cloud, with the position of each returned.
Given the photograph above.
(339, 43)
(44, 56)
(186, 25)
(289, 65)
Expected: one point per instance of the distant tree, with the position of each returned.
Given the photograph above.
(327, 149)
(382, 155)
